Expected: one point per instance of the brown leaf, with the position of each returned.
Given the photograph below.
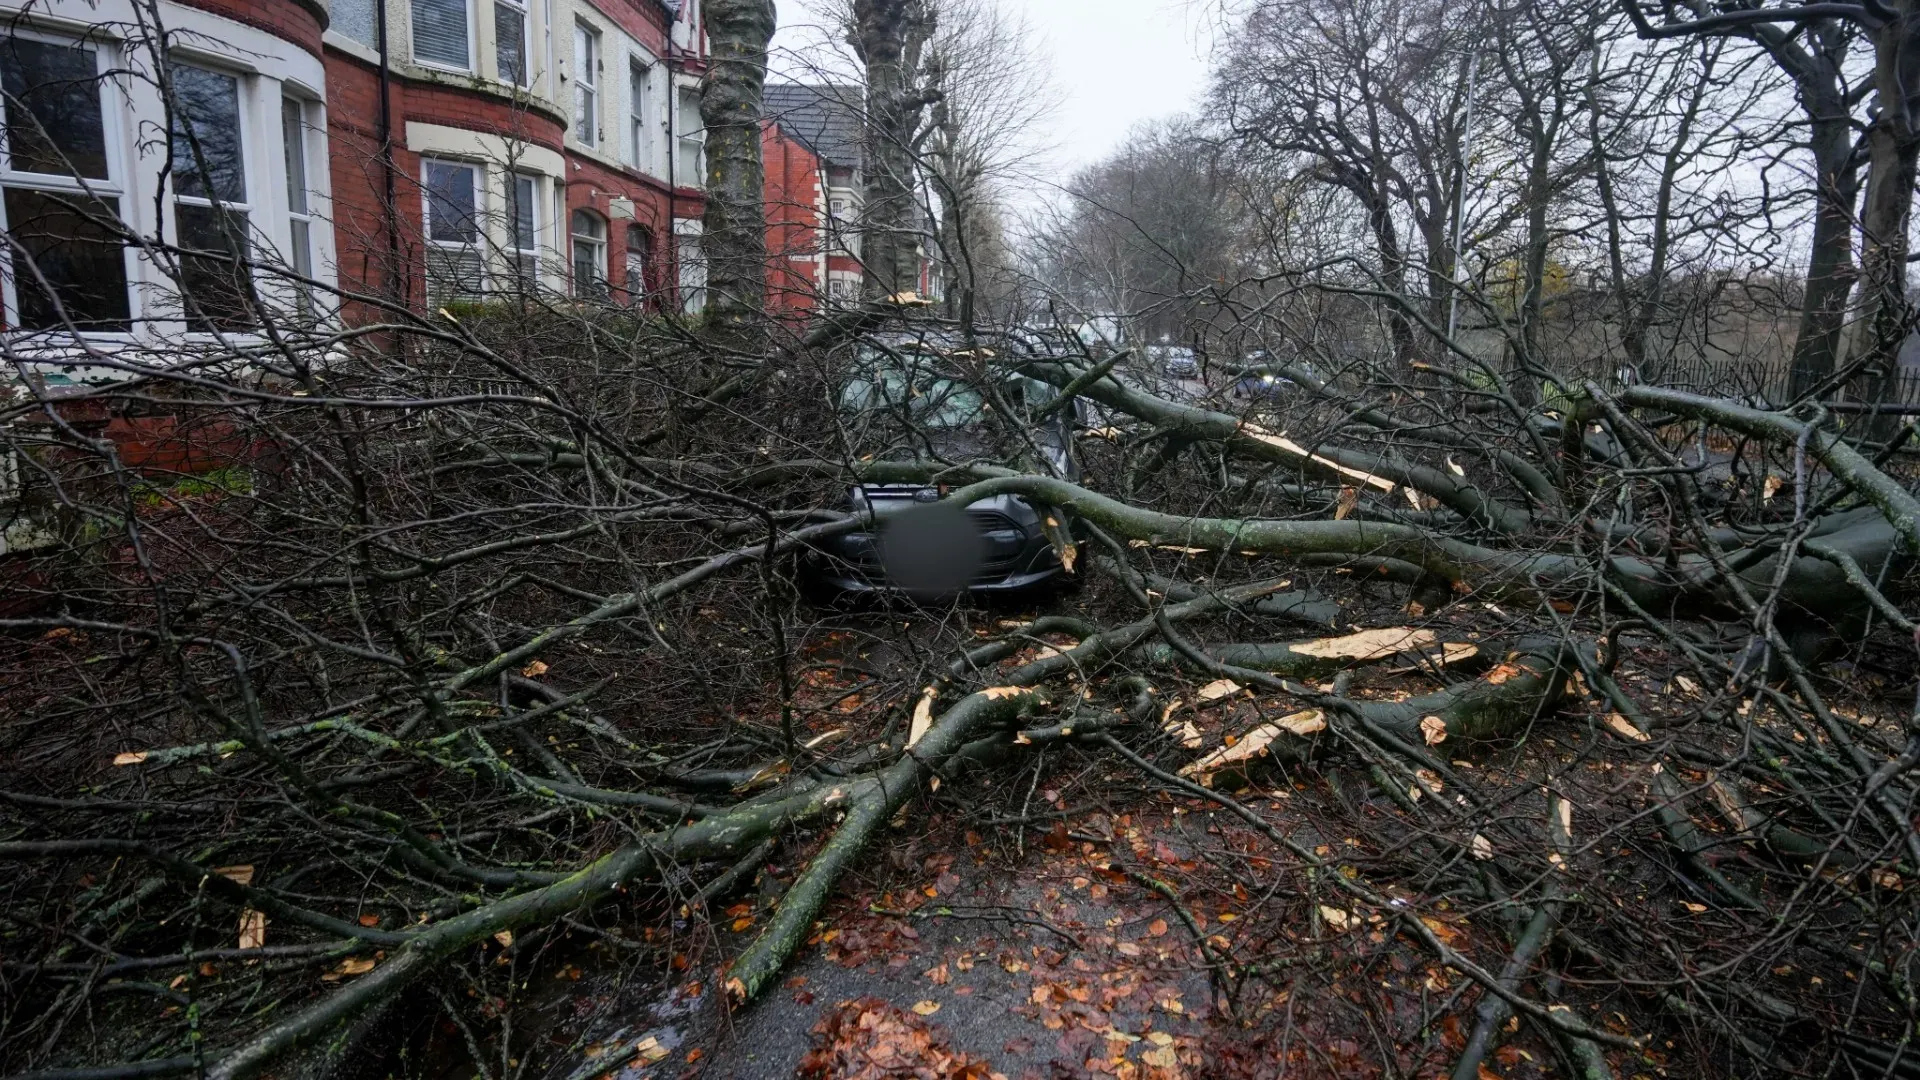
(1158, 928)
(535, 669)
(926, 1008)
(134, 757)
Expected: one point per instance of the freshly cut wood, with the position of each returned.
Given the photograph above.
(1217, 689)
(1450, 652)
(922, 717)
(1370, 644)
(1255, 744)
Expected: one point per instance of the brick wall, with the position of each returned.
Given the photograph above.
(289, 20)
(794, 204)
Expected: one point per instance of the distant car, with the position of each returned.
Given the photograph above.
(1174, 361)
(919, 545)
(1267, 384)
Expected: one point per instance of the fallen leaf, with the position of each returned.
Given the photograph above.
(132, 758)
(1158, 928)
(369, 919)
(1433, 729)
(505, 938)
(239, 875)
(1482, 847)
(926, 1008)
(253, 929)
(535, 669)
(1187, 735)
(1336, 918)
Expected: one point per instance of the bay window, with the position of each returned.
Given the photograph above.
(589, 255)
(586, 84)
(64, 263)
(455, 268)
(511, 46)
(300, 222)
(211, 211)
(443, 34)
(523, 228)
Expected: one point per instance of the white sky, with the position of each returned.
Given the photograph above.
(1116, 63)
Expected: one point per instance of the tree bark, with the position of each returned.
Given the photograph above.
(886, 34)
(1892, 150)
(735, 236)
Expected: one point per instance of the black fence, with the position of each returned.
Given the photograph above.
(1765, 383)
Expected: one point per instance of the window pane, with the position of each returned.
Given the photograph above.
(584, 121)
(585, 63)
(208, 108)
(294, 138)
(52, 238)
(440, 32)
(450, 203)
(524, 229)
(455, 274)
(510, 42)
(53, 108)
(215, 282)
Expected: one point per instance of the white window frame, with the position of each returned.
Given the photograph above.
(298, 127)
(474, 248)
(597, 288)
(525, 8)
(587, 52)
(691, 134)
(473, 43)
(640, 69)
(520, 259)
(245, 86)
(690, 268)
(113, 110)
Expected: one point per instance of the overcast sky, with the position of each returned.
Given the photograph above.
(1116, 62)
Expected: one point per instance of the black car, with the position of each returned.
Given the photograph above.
(909, 393)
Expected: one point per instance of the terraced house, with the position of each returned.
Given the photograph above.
(426, 150)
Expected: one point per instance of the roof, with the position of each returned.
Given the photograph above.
(825, 117)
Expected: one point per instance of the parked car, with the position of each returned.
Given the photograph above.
(1174, 361)
(918, 544)
(1260, 382)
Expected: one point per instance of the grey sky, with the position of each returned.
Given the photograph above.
(1116, 63)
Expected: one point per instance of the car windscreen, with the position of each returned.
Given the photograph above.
(912, 384)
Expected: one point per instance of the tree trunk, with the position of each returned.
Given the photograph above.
(735, 238)
(1830, 270)
(1891, 152)
(884, 33)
